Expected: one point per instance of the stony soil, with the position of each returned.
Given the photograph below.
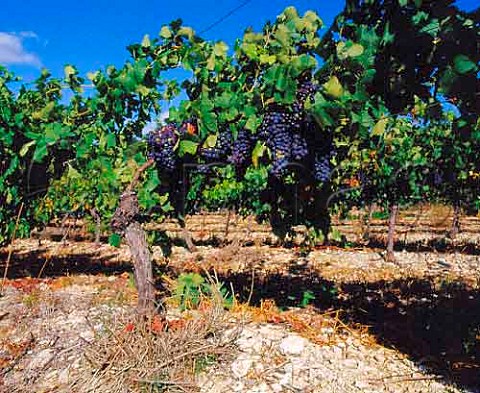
(323, 320)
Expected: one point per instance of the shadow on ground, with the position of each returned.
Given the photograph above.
(37, 264)
(438, 244)
(437, 325)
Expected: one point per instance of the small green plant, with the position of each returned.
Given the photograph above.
(313, 237)
(203, 362)
(157, 238)
(190, 288)
(307, 298)
(31, 300)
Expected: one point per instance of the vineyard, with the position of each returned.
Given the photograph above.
(320, 181)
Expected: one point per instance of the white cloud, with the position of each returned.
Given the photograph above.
(27, 34)
(12, 50)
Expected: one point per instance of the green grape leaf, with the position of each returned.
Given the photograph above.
(333, 87)
(40, 151)
(115, 240)
(187, 147)
(463, 64)
(25, 148)
(349, 49)
(146, 43)
(69, 70)
(257, 153)
(186, 32)
(220, 49)
(380, 127)
(211, 141)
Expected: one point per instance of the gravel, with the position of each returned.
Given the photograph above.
(278, 360)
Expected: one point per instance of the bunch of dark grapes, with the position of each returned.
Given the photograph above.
(276, 130)
(161, 143)
(306, 90)
(322, 168)
(281, 131)
(299, 147)
(220, 150)
(241, 149)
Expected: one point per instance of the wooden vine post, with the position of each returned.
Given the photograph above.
(125, 223)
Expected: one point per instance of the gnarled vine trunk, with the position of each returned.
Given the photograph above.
(98, 223)
(125, 222)
(393, 210)
(455, 221)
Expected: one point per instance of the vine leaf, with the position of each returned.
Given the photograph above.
(463, 64)
(380, 127)
(333, 87)
(187, 147)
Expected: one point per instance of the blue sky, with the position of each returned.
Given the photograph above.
(93, 34)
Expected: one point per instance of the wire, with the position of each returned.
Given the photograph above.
(227, 15)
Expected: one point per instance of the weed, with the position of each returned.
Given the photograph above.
(190, 288)
(203, 362)
(31, 300)
(307, 297)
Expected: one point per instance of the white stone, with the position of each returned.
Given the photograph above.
(241, 366)
(277, 388)
(293, 345)
(42, 358)
(350, 363)
(64, 376)
(250, 343)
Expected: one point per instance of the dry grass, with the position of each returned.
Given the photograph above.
(157, 355)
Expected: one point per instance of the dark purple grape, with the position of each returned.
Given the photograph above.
(322, 168)
(279, 166)
(161, 143)
(242, 148)
(221, 148)
(306, 90)
(299, 147)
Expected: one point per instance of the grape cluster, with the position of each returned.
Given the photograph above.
(299, 147)
(221, 148)
(161, 143)
(322, 168)
(306, 90)
(241, 149)
(281, 131)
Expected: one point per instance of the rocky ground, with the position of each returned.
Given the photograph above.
(327, 320)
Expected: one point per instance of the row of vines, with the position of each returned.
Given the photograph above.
(294, 122)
